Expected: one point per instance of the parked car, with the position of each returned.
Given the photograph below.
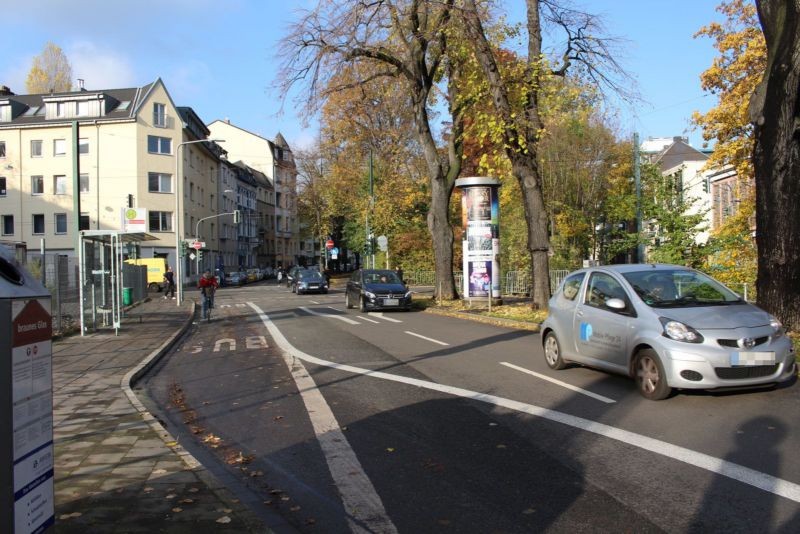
(252, 275)
(233, 278)
(309, 281)
(667, 327)
(372, 289)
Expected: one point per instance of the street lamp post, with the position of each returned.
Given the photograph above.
(179, 213)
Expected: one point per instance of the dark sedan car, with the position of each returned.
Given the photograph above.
(373, 289)
(309, 281)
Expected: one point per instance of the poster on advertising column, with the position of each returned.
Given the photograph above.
(480, 216)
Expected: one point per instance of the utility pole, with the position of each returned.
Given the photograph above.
(637, 179)
(368, 241)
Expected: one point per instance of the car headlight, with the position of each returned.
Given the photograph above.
(369, 295)
(680, 332)
(776, 325)
(407, 295)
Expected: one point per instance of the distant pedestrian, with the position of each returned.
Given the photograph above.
(169, 280)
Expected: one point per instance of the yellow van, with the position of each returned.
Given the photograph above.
(156, 267)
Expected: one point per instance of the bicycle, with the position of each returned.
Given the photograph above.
(207, 303)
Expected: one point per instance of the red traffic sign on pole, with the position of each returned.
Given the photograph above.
(329, 244)
(197, 245)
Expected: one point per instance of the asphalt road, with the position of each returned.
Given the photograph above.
(338, 421)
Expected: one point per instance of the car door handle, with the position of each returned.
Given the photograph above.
(579, 313)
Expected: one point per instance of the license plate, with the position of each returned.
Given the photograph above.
(313, 286)
(391, 302)
(752, 358)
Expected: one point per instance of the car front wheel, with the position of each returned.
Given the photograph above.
(347, 303)
(651, 380)
(552, 352)
(362, 305)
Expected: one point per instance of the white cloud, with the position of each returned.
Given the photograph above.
(100, 68)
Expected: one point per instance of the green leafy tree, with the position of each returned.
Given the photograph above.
(665, 210)
(51, 72)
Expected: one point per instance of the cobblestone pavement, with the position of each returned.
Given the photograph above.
(116, 468)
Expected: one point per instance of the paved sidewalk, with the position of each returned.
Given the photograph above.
(116, 468)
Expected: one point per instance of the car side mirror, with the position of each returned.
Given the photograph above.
(615, 304)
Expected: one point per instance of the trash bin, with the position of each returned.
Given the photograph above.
(127, 296)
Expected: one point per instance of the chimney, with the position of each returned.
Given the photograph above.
(5, 91)
(80, 85)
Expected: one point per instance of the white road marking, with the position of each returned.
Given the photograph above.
(560, 383)
(428, 339)
(363, 505)
(390, 319)
(231, 344)
(367, 319)
(329, 315)
(740, 473)
(313, 302)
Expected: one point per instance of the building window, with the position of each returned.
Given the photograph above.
(83, 145)
(84, 183)
(158, 182)
(160, 221)
(2, 149)
(159, 145)
(36, 148)
(8, 225)
(61, 109)
(61, 223)
(84, 222)
(37, 185)
(59, 147)
(59, 185)
(82, 109)
(160, 115)
(2, 186)
(38, 224)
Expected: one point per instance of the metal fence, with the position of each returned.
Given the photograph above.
(512, 283)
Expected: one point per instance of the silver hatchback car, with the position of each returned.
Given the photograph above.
(667, 327)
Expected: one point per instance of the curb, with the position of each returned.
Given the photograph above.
(133, 376)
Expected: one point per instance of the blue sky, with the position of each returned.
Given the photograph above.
(219, 57)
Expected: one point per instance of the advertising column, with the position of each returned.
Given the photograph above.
(26, 402)
(480, 215)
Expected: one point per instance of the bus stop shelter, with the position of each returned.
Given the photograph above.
(100, 257)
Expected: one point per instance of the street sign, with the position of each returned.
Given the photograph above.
(329, 244)
(197, 245)
(383, 243)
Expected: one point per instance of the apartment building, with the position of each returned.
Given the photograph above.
(275, 160)
(117, 149)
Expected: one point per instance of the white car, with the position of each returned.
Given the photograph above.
(667, 327)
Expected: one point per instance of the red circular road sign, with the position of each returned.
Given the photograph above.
(197, 245)
(329, 244)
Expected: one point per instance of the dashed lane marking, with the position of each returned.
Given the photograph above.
(368, 319)
(380, 315)
(329, 315)
(719, 466)
(560, 383)
(428, 339)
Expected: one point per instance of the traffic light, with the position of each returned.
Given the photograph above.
(705, 185)
(199, 255)
(183, 249)
(237, 216)
(368, 248)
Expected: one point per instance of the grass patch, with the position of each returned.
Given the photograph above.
(518, 311)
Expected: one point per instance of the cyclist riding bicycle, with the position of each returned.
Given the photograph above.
(208, 286)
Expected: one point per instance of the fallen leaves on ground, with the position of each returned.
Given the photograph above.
(224, 520)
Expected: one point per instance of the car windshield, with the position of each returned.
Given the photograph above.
(679, 288)
(381, 277)
(309, 273)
